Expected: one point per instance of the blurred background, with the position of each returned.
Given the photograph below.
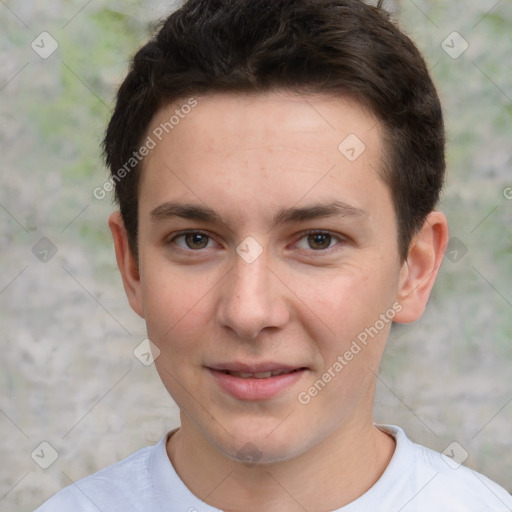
(68, 373)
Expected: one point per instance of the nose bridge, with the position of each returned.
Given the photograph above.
(250, 299)
(251, 277)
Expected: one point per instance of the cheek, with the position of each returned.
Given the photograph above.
(351, 348)
(345, 314)
(176, 316)
(176, 305)
(342, 301)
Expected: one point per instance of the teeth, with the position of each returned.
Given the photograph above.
(280, 372)
(262, 375)
(258, 375)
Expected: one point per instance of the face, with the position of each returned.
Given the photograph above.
(269, 268)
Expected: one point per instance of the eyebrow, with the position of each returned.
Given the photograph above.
(336, 208)
(287, 215)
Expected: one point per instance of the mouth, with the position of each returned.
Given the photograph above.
(260, 375)
(255, 382)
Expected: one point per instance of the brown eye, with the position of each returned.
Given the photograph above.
(318, 241)
(196, 240)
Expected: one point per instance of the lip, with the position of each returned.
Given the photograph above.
(253, 388)
(252, 367)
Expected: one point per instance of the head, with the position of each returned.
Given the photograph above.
(284, 218)
(335, 48)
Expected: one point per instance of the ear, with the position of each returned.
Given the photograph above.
(127, 263)
(419, 271)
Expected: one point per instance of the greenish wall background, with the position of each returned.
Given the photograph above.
(68, 375)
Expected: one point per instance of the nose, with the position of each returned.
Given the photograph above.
(252, 299)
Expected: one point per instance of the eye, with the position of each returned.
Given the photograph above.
(318, 241)
(193, 240)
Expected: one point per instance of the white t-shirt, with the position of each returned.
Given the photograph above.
(416, 479)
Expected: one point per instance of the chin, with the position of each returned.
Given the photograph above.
(261, 442)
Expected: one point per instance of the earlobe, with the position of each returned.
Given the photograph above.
(419, 272)
(128, 266)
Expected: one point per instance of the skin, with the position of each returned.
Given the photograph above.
(247, 157)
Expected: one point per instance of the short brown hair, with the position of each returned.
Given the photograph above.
(333, 47)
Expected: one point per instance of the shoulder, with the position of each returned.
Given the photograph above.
(461, 487)
(117, 487)
(439, 482)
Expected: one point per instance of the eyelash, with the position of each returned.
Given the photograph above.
(340, 239)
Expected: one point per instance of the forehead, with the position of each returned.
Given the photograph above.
(285, 147)
(251, 118)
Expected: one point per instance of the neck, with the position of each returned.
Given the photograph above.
(330, 475)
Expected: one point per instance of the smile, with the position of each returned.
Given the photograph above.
(262, 383)
(259, 375)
